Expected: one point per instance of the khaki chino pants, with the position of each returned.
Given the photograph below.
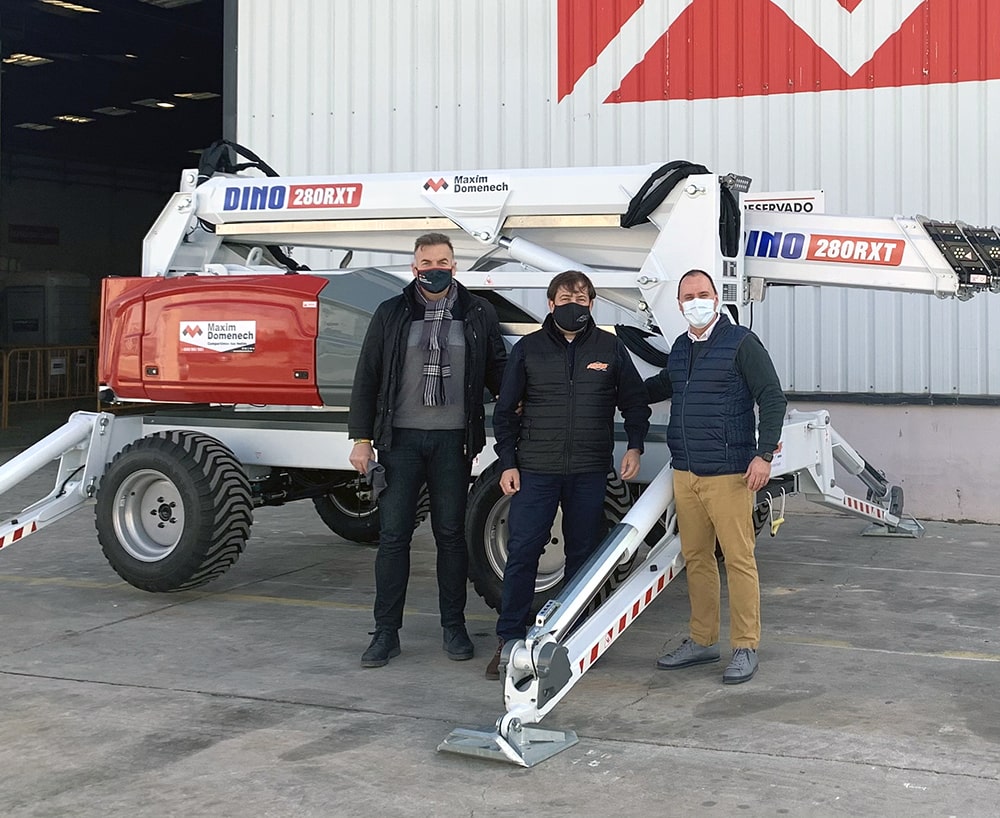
(707, 508)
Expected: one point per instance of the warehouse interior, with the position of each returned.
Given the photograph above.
(102, 104)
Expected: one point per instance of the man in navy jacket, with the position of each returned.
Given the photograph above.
(717, 371)
(568, 378)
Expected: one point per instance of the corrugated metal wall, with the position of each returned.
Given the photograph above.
(896, 111)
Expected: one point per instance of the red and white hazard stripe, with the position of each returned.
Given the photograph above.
(18, 533)
(640, 604)
(876, 512)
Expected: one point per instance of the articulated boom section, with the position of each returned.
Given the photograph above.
(550, 219)
(972, 252)
(506, 227)
(905, 255)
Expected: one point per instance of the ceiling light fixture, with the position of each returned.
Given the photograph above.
(169, 4)
(153, 102)
(27, 60)
(62, 4)
(112, 110)
(198, 95)
(74, 118)
(34, 126)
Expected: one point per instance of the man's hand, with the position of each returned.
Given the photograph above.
(510, 481)
(757, 474)
(630, 464)
(360, 455)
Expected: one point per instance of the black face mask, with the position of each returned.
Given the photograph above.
(435, 280)
(571, 317)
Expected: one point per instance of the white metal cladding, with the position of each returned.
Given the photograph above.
(358, 86)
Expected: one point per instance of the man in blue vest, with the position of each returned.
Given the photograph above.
(567, 378)
(717, 371)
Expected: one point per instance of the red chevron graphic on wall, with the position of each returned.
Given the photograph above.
(635, 51)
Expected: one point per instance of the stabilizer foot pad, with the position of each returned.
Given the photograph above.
(526, 746)
(908, 527)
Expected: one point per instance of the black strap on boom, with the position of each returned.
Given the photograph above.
(663, 180)
(220, 157)
(636, 343)
(656, 188)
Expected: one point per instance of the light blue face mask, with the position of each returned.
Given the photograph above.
(699, 312)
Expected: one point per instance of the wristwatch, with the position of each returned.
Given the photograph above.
(767, 457)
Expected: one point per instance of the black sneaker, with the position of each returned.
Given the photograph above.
(384, 646)
(457, 644)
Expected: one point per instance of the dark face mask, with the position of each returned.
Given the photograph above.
(571, 317)
(435, 280)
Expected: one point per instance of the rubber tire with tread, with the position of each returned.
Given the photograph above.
(349, 512)
(212, 523)
(485, 531)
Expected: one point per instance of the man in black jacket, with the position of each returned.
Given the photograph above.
(721, 455)
(568, 378)
(418, 398)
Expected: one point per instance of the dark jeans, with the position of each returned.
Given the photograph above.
(532, 511)
(438, 459)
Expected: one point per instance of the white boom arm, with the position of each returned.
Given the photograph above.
(906, 255)
(543, 218)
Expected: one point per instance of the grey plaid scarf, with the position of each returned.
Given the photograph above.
(437, 367)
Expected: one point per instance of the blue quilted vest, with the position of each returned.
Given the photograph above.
(712, 428)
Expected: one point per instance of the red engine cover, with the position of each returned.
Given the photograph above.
(201, 339)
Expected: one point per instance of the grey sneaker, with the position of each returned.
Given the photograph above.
(689, 653)
(741, 668)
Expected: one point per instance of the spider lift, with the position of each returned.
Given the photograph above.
(216, 257)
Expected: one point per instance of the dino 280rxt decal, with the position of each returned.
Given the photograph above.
(634, 51)
(824, 247)
(292, 197)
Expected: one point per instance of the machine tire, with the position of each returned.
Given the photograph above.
(173, 511)
(486, 533)
(350, 512)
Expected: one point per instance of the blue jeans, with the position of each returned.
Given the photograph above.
(436, 458)
(532, 511)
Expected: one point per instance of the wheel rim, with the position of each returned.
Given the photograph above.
(551, 566)
(148, 515)
(353, 500)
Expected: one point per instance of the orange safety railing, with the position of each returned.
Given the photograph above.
(43, 374)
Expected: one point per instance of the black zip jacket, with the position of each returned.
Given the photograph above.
(568, 393)
(380, 364)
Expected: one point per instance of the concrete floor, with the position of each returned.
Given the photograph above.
(876, 693)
